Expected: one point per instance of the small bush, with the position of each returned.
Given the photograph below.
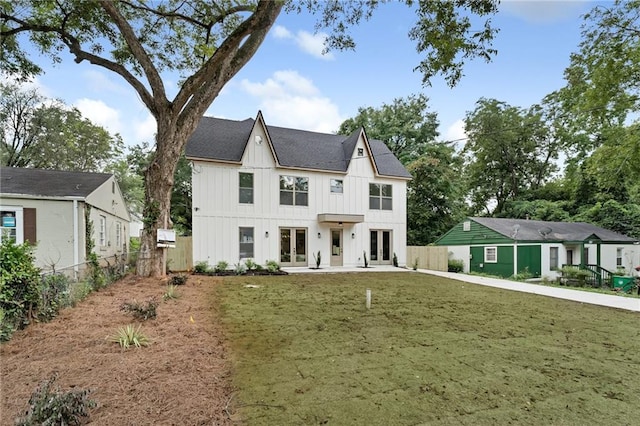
(130, 336)
(54, 295)
(221, 266)
(250, 264)
(272, 266)
(241, 269)
(141, 311)
(179, 279)
(201, 267)
(455, 265)
(395, 260)
(415, 264)
(171, 293)
(366, 262)
(48, 405)
(522, 275)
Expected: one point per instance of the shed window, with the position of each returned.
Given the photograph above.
(491, 254)
(466, 225)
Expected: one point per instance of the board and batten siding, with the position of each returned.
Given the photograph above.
(477, 234)
(218, 215)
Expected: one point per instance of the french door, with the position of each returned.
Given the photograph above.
(380, 249)
(293, 247)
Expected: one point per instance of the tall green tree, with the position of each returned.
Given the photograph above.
(406, 126)
(509, 150)
(207, 42)
(45, 134)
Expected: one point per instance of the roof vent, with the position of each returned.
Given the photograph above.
(544, 231)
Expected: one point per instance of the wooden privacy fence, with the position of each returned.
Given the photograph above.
(435, 258)
(180, 258)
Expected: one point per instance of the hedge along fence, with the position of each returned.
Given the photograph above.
(27, 295)
(435, 258)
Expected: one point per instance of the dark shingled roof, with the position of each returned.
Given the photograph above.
(225, 140)
(539, 230)
(49, 183)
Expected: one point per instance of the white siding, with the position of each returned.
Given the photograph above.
(218, 214)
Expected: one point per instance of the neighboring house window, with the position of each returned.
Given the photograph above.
(294, 191)
(118, 235)
(9, 227)
(336, 186)
(102, 236)
(553, 258)
(491, 254)
(246, 188)
(380, 196)
(466, 225)
(618, 257)
(246, 243)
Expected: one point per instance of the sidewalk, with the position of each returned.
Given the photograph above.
(611, 300)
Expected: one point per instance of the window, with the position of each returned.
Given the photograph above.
(102, 236)
(619, 257)
(585, 255)
(246, 188)
(246, 243)
(466, 225)
(118, 235)
(9, 226)
(336, 186)
(294, 191)
(569, 257)
(491, 254)
(380, 196)
(553, 258)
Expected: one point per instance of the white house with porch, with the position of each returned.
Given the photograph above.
(271, 193)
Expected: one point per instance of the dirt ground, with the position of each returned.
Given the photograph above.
(182, 378)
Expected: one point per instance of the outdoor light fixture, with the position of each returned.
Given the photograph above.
(353, 235)
(319, 235)
(266, 234)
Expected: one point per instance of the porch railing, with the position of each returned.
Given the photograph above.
(598, 276)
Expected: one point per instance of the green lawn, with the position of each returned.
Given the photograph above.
(430, 351)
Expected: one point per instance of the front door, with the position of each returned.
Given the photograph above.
(336, 247)
(293, 247)
(380, 247)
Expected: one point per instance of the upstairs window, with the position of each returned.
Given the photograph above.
(246, 188)
(294, 191)
(380, 196)
(336, 186)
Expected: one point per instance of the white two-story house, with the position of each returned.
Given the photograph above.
(272, 193)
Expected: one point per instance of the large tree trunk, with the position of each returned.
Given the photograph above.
(158, 184)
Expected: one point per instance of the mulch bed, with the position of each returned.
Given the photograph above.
(182, 378)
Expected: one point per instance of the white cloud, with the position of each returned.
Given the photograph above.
(455, 132)
(100, 113)
(145, 130)
(543, 11)
(312, 44)
(99, 82)
(290, 100)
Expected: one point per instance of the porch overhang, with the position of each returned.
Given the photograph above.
(340, 218)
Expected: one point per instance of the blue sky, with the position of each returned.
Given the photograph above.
(295, 86)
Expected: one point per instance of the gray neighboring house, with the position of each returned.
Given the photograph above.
(53, 209)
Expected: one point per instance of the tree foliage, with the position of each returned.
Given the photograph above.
(37, 132)
(406, 126)
(207, 42)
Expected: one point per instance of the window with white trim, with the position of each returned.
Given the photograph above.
(336, 186)
(553, 258)
(491, 254)
(380, 196)
(9, 226)
(246, 188)
(294, 191)
(102, 235)
(118, 235)
(246, 243)
(619, 256)
(466, 225)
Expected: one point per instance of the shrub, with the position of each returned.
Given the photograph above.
(19, 282)
(48, 405)
(250, 264)
(241, 269)
(179, 279)
(455, 265)
(415, 264)
(366, 262)
(141, 311)
(221, 266)
(96, 277)
(130, 336)
(54, 294)
(201, 267)
(272, 266)
(395, 260)
(171, 293)
(522, 275)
